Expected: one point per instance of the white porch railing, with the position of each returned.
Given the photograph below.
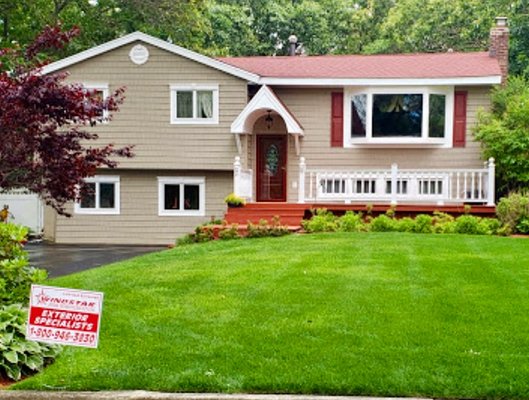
(398, 185)
(242, 180)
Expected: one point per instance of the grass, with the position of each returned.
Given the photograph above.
(353, 314)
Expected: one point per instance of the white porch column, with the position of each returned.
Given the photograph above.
(301, 183)
(394, 177)
(237, 176)
(491, 187)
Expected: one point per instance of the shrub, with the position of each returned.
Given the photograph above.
(203, 233)
(472, 225)
(504, 134)
(19, 357)
(443, 223)
(383, 223)
(405, 224)
(523, 225)
(229, 233)
(511, 210)
(16, 276)
(351, 222)
(321, 221)
(263, 229)
(423, 224)
(234, 201)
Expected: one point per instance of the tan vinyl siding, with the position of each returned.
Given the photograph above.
(138, 221)
(144, 118)
(312, 108)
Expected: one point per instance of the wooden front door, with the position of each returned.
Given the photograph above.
(271, 168)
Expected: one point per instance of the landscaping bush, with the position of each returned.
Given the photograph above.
(405, 224)
(504, 134)
(423, 224)
(513, 210)
(351, 222)
(229, 233)
(383, 223)
(19, 357)
(472, 225)
(264, 229)
(443, 223)
(16, 276)
(321, 221)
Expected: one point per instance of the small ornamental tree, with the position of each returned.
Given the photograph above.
(504, 135)
(44, 144)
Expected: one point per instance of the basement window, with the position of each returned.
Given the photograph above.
(181, 196)
(100, 195)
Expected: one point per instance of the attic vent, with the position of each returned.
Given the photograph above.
(139, 54)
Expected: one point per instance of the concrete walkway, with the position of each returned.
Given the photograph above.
(143, 395)
(62, 259)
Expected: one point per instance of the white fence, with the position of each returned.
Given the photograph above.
(398, 185)
(25, 209)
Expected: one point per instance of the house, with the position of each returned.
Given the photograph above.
(392, 129)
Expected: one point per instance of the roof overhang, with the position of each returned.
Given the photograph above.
(261, 104)
(330, 82)
(265, 100)
(140, 36)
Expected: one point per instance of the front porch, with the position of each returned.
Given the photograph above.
(394, 185)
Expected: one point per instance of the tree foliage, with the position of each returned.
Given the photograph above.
(257, 27)
(43, 123)
(504, 134)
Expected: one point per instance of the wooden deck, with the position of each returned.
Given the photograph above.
(292, 214)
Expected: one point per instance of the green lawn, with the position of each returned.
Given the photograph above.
(386, 314)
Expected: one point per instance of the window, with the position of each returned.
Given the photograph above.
(399, 116)
(194, 104)
(181, 196)
(99, 90)
(101, 196)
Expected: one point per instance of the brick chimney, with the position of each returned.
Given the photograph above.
(499, 46)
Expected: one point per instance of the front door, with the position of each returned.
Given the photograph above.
(271, 168)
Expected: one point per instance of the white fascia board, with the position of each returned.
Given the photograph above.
(479, 80)
(265, 99)
(162, 44)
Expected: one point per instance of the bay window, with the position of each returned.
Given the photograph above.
(398, 116)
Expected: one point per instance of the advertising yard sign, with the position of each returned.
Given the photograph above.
(64, 316)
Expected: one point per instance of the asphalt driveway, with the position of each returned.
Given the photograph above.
(61, 259)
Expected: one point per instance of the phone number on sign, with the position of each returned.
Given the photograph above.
(66, 336)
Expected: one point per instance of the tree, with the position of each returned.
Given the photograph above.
(438, 25)
(44, 144)
(519, 45)
(504, 134)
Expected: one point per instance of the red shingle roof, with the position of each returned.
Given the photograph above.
(430, 65)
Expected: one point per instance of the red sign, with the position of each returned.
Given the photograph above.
(64, 316)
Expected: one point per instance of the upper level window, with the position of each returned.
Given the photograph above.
(194, 104)
(100, 196)
(394, 116)
(99, 90)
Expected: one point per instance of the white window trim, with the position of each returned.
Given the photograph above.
(189, 180)
(194, 88)
(103, 87)
(423, 141)
(98, 210)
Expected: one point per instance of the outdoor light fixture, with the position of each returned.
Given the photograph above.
(269, 120)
